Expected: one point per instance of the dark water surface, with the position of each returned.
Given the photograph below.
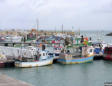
(88, 74)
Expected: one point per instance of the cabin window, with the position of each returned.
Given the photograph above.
(68, 51)
(43, 54)
(91, 50)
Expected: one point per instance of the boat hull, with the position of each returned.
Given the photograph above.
(76, 60)
(108, 57)
(98, 57)
(2, 65)
(7, 64)
(34, 64)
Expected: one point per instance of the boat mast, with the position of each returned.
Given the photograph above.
(37, 27)
(79, 31)
(62, 28)
(55, 29)
(72, 29)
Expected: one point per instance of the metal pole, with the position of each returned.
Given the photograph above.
(62, 28)
(37, 28)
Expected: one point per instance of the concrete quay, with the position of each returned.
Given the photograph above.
(8, 81)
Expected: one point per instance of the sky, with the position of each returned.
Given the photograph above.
(51, 14)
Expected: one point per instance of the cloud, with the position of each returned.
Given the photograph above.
(84, 14)
(106, 7)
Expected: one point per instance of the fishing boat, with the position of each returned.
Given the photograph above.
(98, 50)
(55, 53)
(2, 60)
(41, 59)
(83, 55)
(5, 63)
(13, 38)
(108, 53)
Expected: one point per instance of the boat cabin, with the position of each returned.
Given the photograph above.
(108, 53)
(43, 55)
(57, 49)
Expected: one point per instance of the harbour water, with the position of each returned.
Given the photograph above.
(88, 74)
(98, 35)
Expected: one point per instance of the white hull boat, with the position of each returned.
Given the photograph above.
(35, 63)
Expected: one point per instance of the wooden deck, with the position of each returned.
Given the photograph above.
(8, 81)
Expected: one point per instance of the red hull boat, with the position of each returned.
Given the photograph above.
(2, 64)
(108, 53)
